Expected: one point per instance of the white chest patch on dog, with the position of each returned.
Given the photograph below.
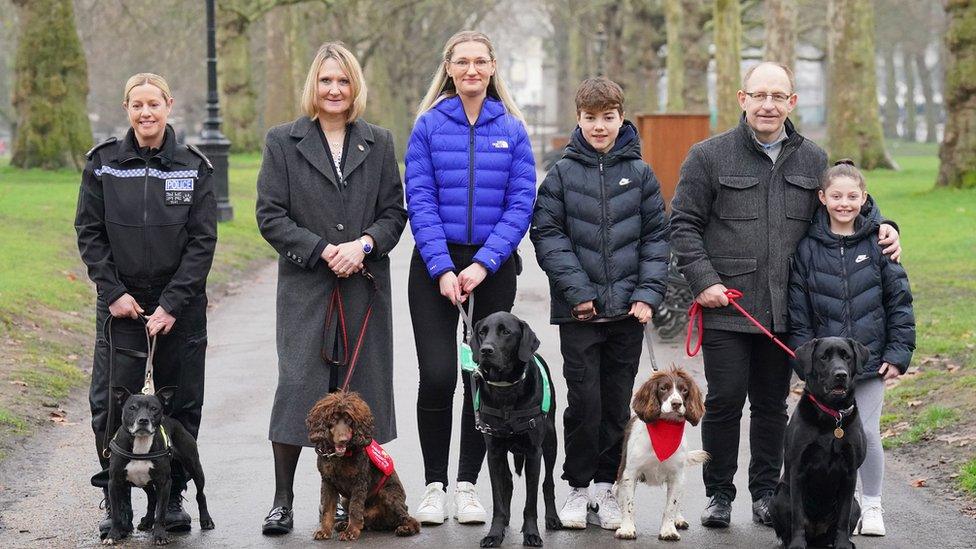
(137, 470)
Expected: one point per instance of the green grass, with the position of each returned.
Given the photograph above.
(11, 422)
(930, 420)
(967, 477)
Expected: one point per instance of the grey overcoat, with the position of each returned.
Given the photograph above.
(300, 207)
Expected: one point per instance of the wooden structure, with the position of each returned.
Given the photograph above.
(665, 141)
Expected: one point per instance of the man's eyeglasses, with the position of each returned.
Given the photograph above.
(778, 98)
(480, 64)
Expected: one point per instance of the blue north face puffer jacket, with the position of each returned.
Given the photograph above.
(468, 184)
(844, 286)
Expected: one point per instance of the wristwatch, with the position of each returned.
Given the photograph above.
(367, 247)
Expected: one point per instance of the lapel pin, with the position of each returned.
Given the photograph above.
(361, 147)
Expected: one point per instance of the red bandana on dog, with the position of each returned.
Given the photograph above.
(381, 460)
(665, 437)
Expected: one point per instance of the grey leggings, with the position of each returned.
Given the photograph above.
(869, 395)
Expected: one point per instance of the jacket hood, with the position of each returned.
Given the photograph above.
(865, 225)
(626, 147)
(454, 109)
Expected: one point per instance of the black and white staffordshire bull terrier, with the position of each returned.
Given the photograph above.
(145, 431)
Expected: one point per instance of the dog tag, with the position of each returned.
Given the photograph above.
(838, 433)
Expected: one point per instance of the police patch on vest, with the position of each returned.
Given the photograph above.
(179, 198)
(179, 184)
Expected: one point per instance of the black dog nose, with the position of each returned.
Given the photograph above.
(143, 421)
(840, 376)
(487, 351)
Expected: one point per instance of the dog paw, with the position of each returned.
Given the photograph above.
(625, 532)
(207, 523)
(553, 523)
(349, 534)
(669, 532)
(492, 541)
(681, 524)
(109, 540)
(146, 523)
(161, 539)
(408, 528)
(321, 534)
(532, 540)
(341, 525)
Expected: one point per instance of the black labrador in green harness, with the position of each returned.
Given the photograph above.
(515, 409)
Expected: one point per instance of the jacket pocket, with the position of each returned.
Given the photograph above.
(738, 197)
(737, 273)
(801, 197)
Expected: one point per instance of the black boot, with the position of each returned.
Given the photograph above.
(176, 519)
(125, 505)
(760, 510)
(718, 513)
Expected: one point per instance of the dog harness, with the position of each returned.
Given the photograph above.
(167, 448)
(514, 422)
(838, 415)
(665, 437)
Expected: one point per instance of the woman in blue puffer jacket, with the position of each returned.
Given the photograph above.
(470, 186)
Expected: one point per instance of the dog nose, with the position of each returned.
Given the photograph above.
(143, 421)
(676, 403)
(840, 376)
(487, 351)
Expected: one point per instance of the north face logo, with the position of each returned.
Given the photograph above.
(500, 144)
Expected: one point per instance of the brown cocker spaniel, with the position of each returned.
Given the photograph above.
(352, 465)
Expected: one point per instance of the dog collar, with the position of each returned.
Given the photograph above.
(116, 448)
(838, 415)
(665, 437)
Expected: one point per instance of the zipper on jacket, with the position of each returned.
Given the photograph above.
(604, 228)
(470, 184)
(847, 297)
(145, 221)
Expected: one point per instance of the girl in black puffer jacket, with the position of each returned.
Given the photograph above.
(842, 285)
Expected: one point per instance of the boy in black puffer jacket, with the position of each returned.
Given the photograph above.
(842, 285)
(600, 234)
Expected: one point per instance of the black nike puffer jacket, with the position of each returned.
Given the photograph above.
(599, 229)
(844, 286)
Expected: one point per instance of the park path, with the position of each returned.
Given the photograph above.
(46, 501)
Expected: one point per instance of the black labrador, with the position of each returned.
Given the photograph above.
(509, 400)
(824, 446)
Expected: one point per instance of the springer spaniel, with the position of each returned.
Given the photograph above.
(655, 451)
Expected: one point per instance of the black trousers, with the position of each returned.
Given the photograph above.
(600, 362)
(178, 361)
(435, 328)
(739, 365)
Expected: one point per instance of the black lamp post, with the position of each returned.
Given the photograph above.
(212, 141)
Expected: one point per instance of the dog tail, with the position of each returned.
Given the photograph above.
(519, 463)
(697, 456)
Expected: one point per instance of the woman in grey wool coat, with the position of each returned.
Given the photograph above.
(330, 202)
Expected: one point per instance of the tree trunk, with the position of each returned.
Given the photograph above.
(891, 111)
(910, 132)
(51, 89)
(675, 63)
(238, 99)
(281, 89)
(781, 32)
(931, 107)
(641, 67)
(728, 32)
(695, 42)
(958, 150)
(853, 125)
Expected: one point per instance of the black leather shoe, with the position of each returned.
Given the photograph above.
(279, 521)
(176, 519)
(760, 510)
(718, 512)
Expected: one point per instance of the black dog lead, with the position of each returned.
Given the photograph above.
(107, 444)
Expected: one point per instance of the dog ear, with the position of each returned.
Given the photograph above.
(165, 396)
(474, 341)
(861, 355)
(804, 358)
(121, 394)
(646, 404)
(694, 403)
(529, 343)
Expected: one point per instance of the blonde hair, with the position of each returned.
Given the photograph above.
(349, 65)
(146, 78)
(442, 85)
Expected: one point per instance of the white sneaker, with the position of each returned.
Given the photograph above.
(604, 510)
(573, 513)
(871, 523)
(433, 506)
(467, 507)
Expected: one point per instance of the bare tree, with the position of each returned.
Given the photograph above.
(674, 18)
(695, 40)
(958, 151)
(780, 39)
(908, 70)
(891, 110)
(728, 60)
(853, 126)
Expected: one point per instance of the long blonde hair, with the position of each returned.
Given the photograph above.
(442, 86)
(146, 78)
(349, 65)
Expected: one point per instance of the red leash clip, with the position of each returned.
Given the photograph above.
(695, 317)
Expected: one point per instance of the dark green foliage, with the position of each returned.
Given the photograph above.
(51, 88)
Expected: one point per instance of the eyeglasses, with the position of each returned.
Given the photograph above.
(778, 98)
(480, 64)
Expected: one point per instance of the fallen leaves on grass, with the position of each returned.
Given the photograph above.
(19, 382)
(914, 403)
(919, 482)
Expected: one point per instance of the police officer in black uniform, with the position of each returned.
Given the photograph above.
(147, 229)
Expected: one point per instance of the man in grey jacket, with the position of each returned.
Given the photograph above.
(744, 200)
